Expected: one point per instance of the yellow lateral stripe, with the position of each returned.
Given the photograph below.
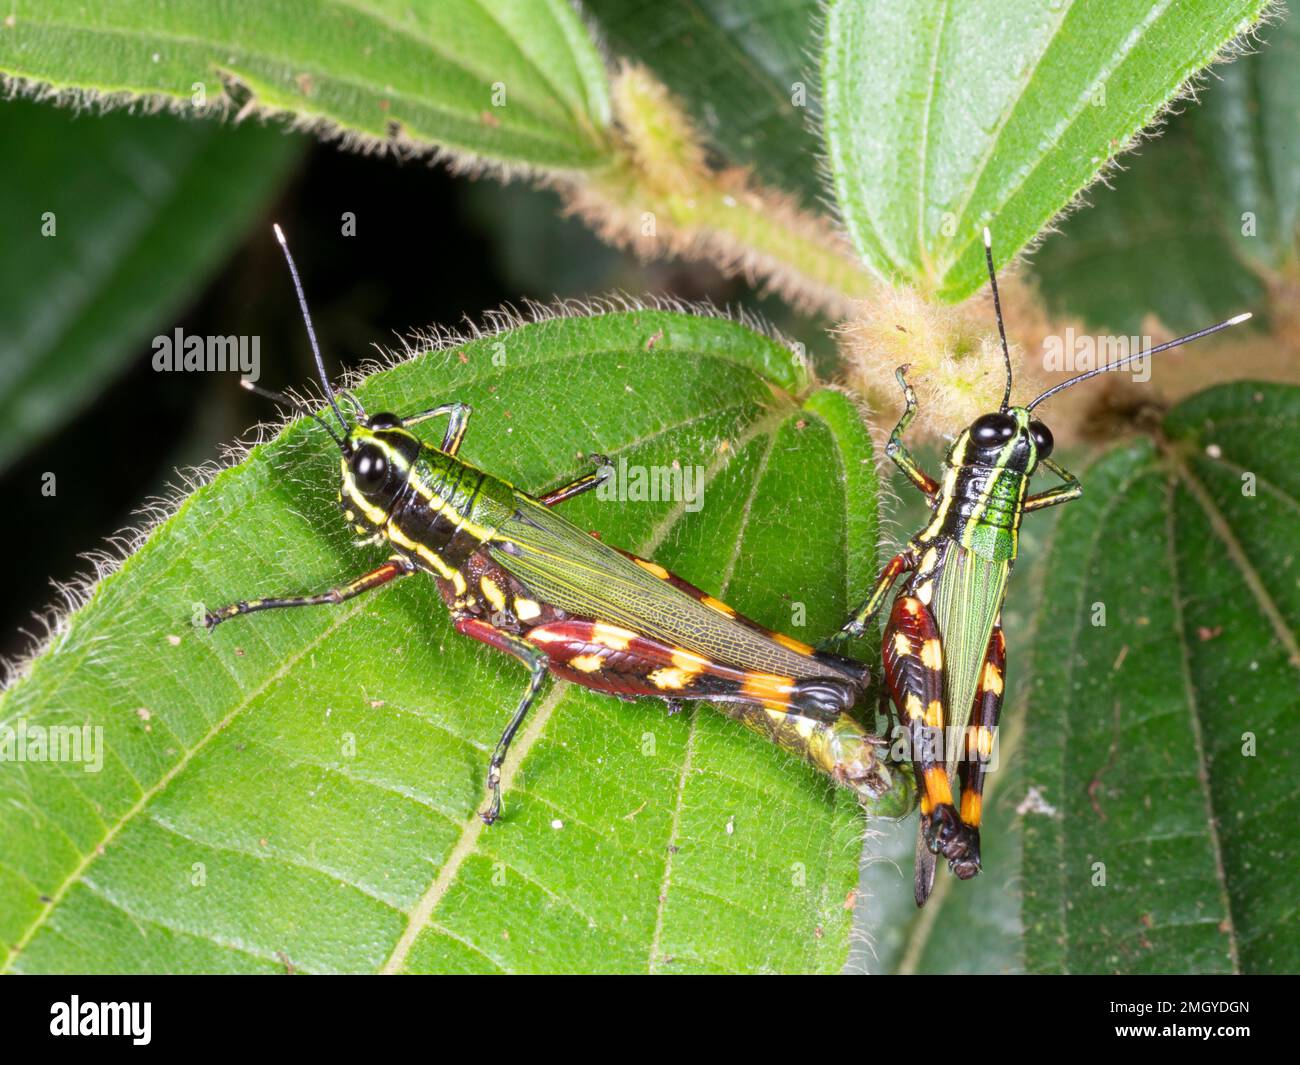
(689, 661)
(669, 679)
(612, 636)
(652, 567)
(719, 606)
(790, 643)
(936, 785)
(992, 679)
(932, 655)
(493, 592)
(768, 688)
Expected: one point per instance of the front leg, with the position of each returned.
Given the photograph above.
(390, 570)
(457, 423)
(1072, 489)
(903, 562)
(897, 450)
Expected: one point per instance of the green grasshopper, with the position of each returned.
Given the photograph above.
(944, 656)
(519, 577)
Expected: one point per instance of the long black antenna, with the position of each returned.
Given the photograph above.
(311, 333)
(1237, 320)
(291, 403)
(997, 310)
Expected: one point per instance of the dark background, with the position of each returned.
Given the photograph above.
(429, 249)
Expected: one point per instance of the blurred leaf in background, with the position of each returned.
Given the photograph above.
(511, 82)
(1161, 730)
(111, 224)
(1202, 217)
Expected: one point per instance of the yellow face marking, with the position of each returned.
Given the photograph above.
(350, 514)
(612, 636)
(790, 643)
(652, 567)
(932, 654)
(526, 609)
(669, 679)
(934, 714)
(493, 592)
(971, 808)
(586, 663)
(768, 688)
(719, 606)
(902, 645)
(991, 681)
(936, 785)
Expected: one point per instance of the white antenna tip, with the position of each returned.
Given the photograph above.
(279, 233)
(1240, 318)
(988, 238)
(246, 384)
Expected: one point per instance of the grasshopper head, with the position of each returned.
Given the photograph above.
(1007, 439)
(375, 466)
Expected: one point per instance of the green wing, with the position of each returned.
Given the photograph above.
(966, 605)
(564, 566)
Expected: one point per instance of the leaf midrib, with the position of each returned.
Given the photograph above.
(1194, 722)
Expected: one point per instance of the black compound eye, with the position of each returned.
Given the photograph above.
(991, 430)
(1042, 438)
(369, 468)
(385, 421)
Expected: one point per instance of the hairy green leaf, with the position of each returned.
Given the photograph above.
(1202, 215)
(1161, 732)
(517, 82)
(300, 788)
(942, 118)
(111, 223)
